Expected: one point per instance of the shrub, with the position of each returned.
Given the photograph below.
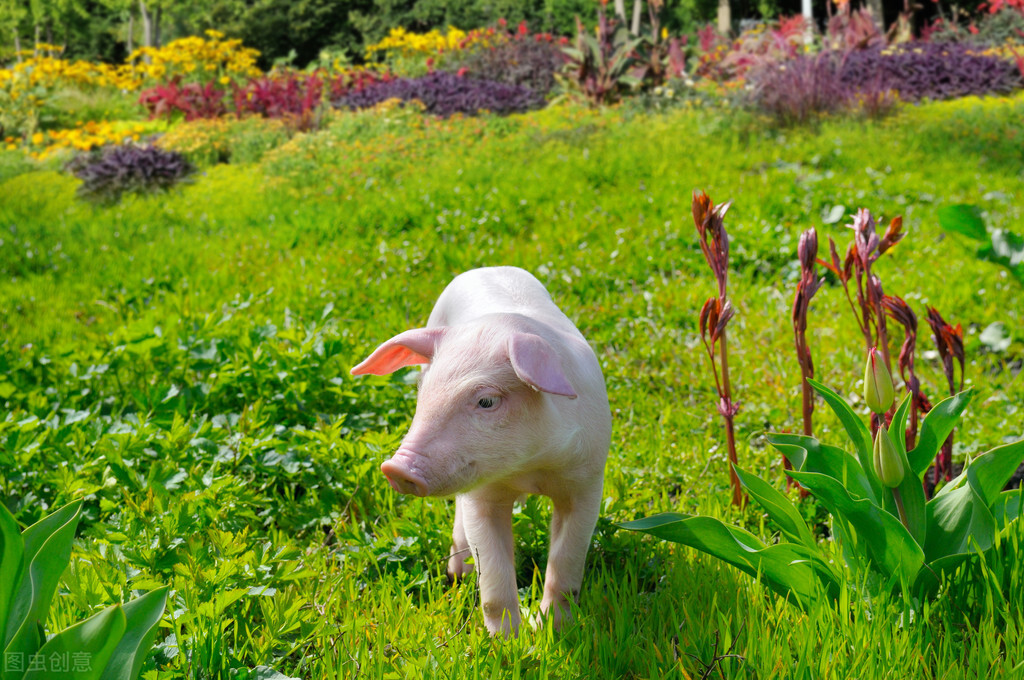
(293, 96)
(799, 90)
(190, 100)
(107, 175)
(530, 62)
(929, 70)
(444, 94)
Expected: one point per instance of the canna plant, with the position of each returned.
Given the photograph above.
(110, 645)
(715, 315)
(601, 66)
(890, 537)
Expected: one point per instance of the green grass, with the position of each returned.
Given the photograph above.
(181, 362)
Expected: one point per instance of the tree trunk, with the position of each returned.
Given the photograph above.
(620, 10)
(17, 45)
(147, 25)
(725, 17)
(130, 38)
(635, 27)
(35, 45)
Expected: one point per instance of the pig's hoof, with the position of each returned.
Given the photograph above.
(457, 566)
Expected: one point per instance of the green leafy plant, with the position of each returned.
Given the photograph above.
(1000, 246)
(600, 66)
(890, 536)
(110, 645)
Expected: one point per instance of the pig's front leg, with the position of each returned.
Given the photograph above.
(487, 521)
(457, 565)
(572, 526)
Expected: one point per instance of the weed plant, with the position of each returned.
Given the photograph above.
(180, 364)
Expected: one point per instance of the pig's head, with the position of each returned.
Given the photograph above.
(483, 408)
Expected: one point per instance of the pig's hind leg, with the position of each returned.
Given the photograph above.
(572, 527)
(457, 566)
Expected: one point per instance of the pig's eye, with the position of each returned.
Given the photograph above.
(488, 402)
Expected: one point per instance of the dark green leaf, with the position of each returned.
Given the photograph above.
(989, 472)
(12, 551)
(141, 618)
(47, 552)
(888, 543)
(778, 508)
(963, 219)
(935, 427)
(807, 454)
(954, 519)
(855, 429)
(786, 568)
(92, 641)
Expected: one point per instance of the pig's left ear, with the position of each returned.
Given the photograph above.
(405, 349)
(537, 364)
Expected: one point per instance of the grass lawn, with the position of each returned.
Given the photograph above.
(181, 362)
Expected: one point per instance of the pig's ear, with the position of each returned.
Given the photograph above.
(405, 349)
(537, 364)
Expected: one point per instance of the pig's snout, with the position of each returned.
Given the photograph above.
(401, 476)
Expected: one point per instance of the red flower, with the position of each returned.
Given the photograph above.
(502, 23)
(462, 72)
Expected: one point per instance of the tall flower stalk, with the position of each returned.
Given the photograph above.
(806, 287)
(899, 311)
(949, 340)
(866, 248)
(715, 314)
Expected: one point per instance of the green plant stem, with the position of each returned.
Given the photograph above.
(737, 493)
(899, 506)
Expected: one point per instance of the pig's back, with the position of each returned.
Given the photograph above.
(496, 290)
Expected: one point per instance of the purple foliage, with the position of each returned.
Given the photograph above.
(930, 70)
(872, 79)
(445, 94)
(108, 174)
(798, 90)
(529, 63)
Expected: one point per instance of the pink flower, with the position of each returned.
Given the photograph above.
(462, 72)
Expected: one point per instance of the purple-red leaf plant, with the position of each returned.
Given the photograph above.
(715, 315)
(806, 287)
(866, 248)
(950, 342)
(899, 311)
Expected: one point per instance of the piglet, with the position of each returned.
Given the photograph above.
(511, 401)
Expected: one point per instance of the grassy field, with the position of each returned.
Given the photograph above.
(181, 363)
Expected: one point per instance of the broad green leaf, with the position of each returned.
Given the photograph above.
(778, 508)
(954, 519)
(963, 219)
(12, 552)
(1007, 507)
(47, 552)
(141, 618)
(786, 568)
(1007, 249)
(911, 491)
(899, 425)
(935, 427)
(855, 429)
(86, 647)
(807, 454)
(888, 542)
(989, 472)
